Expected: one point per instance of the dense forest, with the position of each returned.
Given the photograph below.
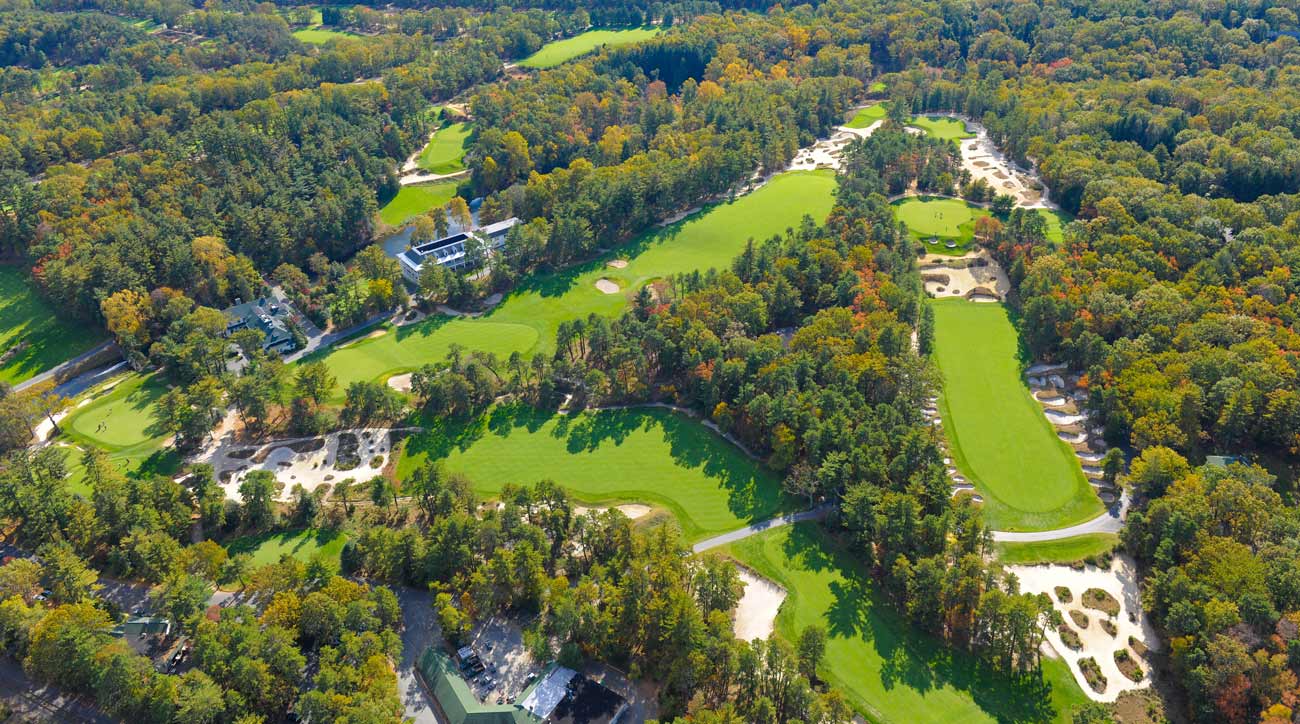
(159, 161)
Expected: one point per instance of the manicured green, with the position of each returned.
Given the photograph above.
(411, 201)
(866, 116)
(942, 127)
(29, 324)
(320, 36)
(877, 87)
(121, 421)
(711, 238)
(1065, 550)
(645, 455)
(1056, 220)
(301, 544)
(889, 671)
(999, 438)
(937, 220)
(446, 149)
(562, 51)
(395, 349)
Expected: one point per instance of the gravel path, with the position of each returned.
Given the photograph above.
(735, 535)
(1112, 521)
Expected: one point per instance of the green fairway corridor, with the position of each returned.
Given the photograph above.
(446, 149)
(32, 338)
(930, 218)
(266, 548)
(526, 320)
(411, 201)
(1000, 439)
(644, 455)
(889, 671)
(562, 51)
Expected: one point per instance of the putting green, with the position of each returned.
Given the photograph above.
(936, 217)
(445, 150)
(320, 36)
(711, 238)
(1063, 551)
(999, 438)
(301, 544)
(644, 455)
(32, 338)
(121, 421)
(889, 671)
(411, 201)
(943, 127)
(864, 117)
(562, 51)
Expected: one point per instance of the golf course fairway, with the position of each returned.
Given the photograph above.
(641, 455)
(710, 238)
(887, 669)
(999, 438)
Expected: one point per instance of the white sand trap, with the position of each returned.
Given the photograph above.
(756, 611)
(1052, 400)
(1120, 581)
(982, 298)
(1074, 438)
(1056, 417)
(401, 383)
(631, 510)
(606, 286)
(1042, 369)
(1092, 457)
(617, 263)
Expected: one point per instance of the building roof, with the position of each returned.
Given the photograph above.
(267, 314)
(457, 702)
(588, 702)
(549, 692)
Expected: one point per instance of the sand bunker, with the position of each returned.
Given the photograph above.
(1120, 581)
(1074, 438)
(756, 611)
(631, 510)
(1061, 418)
(401, 383)
(955, 276)
(606, 286)
(617, 263)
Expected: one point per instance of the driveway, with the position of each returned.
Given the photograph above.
(42, 703)
(419, 632)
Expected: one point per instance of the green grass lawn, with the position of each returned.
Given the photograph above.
(1065, 550)
(711, 238)
(887, 669)
(411, 201)
(1000, 439)
(939, 218)
(649, 455)
(121, 421)
(320, 36)
(301, 544)
(28, 324)
(562, 51)
(951, 129)
(877, 87)
(1056, 220)
(864, 117)
(446, 149)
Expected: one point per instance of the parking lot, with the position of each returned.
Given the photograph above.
(508, 669)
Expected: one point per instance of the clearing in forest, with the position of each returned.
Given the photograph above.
(998, 436)
(887, 669)
(938, 221)
(562, 51)
(864, 117)
(320, 36)
(641, 455)
(32, 338)
(527, 319)
(411, 201)
(266, 548)
(944, 127)
(446, 150)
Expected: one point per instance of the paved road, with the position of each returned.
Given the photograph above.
(42, 703)
(1112, 521)
(735, 535)
(54, 372)
(419, 632)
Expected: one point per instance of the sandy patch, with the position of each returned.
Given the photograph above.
(631, 510)
(606, 286)
(401, 383)
(984, 161)
(1056, 417)
(1120, 581)
(957, 276)
(617, 263)
(756, 611)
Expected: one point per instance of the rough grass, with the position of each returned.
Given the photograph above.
(942, 127)
(998, 435)
(445, 150)
(320, 36)
(562, 51)
(645, 455)
(29, 324)
(708, 239)
(411, 201)
(1063, 551)
(888, 670)
(864, 117)
(301, 544)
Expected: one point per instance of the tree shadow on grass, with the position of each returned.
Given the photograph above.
(910, 658)
(293, 542)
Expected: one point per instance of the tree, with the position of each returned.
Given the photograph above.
(315, 380)
(181, 596)
(811, 649)
(67, 576)
(369, 401)
(257, 491)
(458, 211)
(20, 578)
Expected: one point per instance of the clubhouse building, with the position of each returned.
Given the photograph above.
(452, 251)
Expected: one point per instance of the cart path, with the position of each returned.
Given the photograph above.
(735, 535)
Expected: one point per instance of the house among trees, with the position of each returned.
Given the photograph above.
(455, 251)
(269, 315)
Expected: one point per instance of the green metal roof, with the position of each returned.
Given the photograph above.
(458, 702)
